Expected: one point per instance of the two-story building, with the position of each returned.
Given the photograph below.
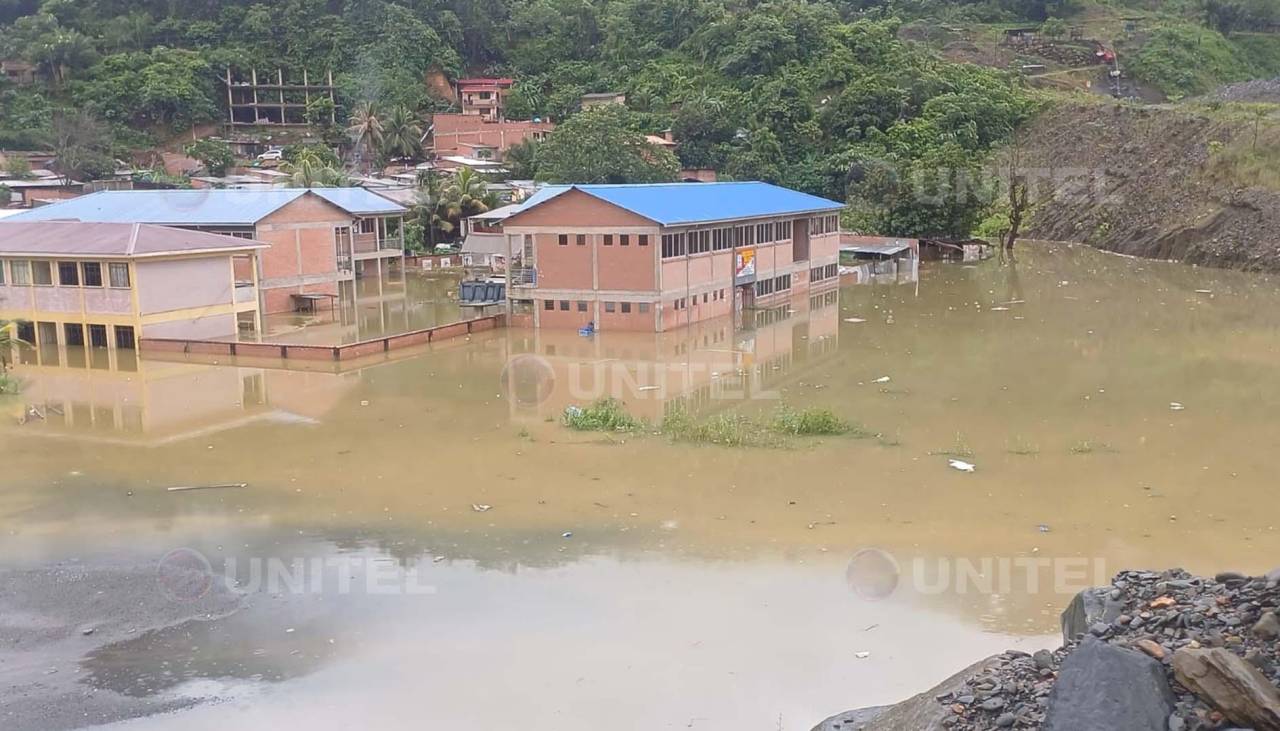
(89, 286)
(654, 257)
(319, 239)
(484, 97)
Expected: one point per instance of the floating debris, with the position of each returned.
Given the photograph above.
(481, 508)
(1204, 291)
(862, 655)
(881, 379)
(1175, 406)
(227, 486)
(567, 534)
(648, 388)
(959, 464)
(854, 319)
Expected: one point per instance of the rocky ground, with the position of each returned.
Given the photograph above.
(1151, 652)
(52, 617)
(1265, 91)
(1152, 182)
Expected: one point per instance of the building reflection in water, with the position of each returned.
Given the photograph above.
(698, 369)
(110, 394)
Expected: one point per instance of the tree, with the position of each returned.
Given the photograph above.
(43, 40)
(467, 193)
(81, 145)
(365, 131)
(215, 155)
(600, 146)
(18, 167)
(312, 168)
(522, 159)
(8, 340)
(402, 137)
(165, 86)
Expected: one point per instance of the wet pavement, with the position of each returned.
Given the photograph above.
(421, 541)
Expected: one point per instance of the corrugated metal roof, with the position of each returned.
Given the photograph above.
(206, 207)
(674, 204)
(498, 214)
(75, 238)
(359, 201)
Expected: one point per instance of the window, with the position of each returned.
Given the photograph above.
(1, 272)
(624, 239)
(563, 239)
(119, 274)
(582, 306)
(704, 298)
(68, 274)
(643, 240)
(610, 306)
(644, 306)
(608, 239)
(564, 305)
(368, 225)
(782, 283)
(92, 274)
(42, 273)
(582, 239)
(21, 271)
(124, 337)
(98, 336)
(74, 333)
(626, 308)
(548, 304)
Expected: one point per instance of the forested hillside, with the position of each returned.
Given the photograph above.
(819, 95)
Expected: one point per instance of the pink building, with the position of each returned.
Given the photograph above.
(655, 257)
(484, 97)
(91, 286)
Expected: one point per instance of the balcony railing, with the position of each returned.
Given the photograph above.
(524, 277)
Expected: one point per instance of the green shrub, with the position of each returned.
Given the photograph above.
(730, 430)
(606, 414)
(9, 386)
(811, 422)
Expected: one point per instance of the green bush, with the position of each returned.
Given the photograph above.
(9, 386)
(810, 422)
(606, 414)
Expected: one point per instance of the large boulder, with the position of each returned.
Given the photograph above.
(1104, 688)
(920, 712)
(1087, 608)
(1226, 682)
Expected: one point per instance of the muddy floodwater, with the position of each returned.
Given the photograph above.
(420, 543)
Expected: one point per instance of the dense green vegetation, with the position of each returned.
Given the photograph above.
(1184, 59)
(818, 95)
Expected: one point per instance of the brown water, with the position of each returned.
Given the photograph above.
(699, 586)
(396, 303)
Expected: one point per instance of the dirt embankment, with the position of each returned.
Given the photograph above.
(1167, 183)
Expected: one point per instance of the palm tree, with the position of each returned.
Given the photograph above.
(468, 192)
(402, 136)
(310, 172)
(365, 129)
(431, 208)
(8, 339)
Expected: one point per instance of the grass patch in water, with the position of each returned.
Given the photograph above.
(9, 386)
(1023, 448)
(1087, 446)
(960, 449)
(606, 414)
(814, 422)
(730, 430)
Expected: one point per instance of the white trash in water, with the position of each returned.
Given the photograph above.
(961, 465)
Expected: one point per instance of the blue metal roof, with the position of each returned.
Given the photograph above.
(204, 207)
(359, 201)
(675, 204)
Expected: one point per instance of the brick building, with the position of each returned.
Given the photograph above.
(655, 257)
(319, 239)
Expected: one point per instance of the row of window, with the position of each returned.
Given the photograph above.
(622, 239)
(40, 273)
(75, 334)
(625, 308)
(714, 295)
(824, 225)
(818, 274)
(777, 284)
(700, 241)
